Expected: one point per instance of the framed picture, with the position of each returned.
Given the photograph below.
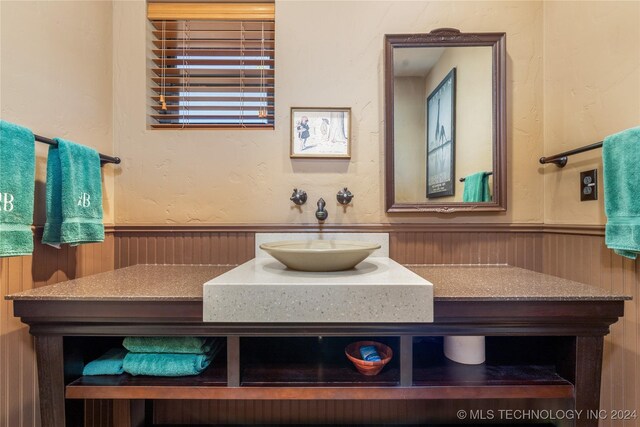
(441, 116)
(320, 133)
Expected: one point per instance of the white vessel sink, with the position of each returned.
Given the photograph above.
(320, 255)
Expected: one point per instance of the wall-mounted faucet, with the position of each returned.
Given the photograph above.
(321, 213)
(299, 197)
(344, 196)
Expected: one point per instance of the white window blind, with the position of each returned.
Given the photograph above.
(212, 65)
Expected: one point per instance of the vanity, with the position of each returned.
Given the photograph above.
(544, 343)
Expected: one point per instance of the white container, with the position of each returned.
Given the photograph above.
(465, 349)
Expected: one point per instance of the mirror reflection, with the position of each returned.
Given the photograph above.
(443, 124)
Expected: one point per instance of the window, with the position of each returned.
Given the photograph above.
(212, 65)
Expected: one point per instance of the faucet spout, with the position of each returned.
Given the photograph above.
(321, 213)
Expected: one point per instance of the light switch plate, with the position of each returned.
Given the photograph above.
(589, 185)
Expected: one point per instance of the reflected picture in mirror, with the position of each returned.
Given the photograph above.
(441, 107)
(445, 122)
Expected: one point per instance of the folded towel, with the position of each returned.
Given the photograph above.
(476, 188)
(193, 345)
(110, 363)
(620, 160)
(166, 364)
(74, 195)
(17, 182)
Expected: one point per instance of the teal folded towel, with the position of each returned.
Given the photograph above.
(621, 170)
(172, 364)
(193, 345)
(17, 183)
(476, 188)
(110, 363)
(74, 195)
(166, 364)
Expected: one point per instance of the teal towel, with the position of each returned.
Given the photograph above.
(194, 345)
(476, 188)
(17, 183)
(166, 364)
(621, 170)
(74, 195)
(110, 363)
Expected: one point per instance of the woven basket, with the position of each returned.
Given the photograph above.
(365, 367)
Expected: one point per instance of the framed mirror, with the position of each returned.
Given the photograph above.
(445, 122)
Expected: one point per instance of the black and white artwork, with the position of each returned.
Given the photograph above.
(441, 112)
(320, 132)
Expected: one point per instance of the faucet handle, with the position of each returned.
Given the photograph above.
(321, 213)
(299, 197)
(344, 196)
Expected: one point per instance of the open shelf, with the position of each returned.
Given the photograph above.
(510, 368)
(311, 368)
(126, 386)
(309, 362)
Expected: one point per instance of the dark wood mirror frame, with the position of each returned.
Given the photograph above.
(449, 37)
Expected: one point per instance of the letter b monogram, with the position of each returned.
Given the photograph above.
(85, 200)
(6, 202)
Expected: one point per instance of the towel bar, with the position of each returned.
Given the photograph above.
(103, 157)
(463, 179)
(560, 159)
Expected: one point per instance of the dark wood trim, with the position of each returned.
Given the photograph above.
(448, 37)
(583, 230)
(323, 393)
(50, 357)
(38, 229)
(430, 227)
(588, 368)
(507, 318)
(435, 227)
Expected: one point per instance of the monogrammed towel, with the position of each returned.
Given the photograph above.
(74, 195)
(17, 181)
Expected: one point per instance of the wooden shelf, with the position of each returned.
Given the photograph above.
(126, 386)
(315, 375)
(511, 368)
(310, 368)
(309, 362)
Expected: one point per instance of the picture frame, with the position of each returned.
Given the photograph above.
(440, 138)
(322, 133)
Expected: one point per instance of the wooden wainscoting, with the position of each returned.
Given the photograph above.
(18, 388)
(517, 245)
(586, 259)
(520, 249)
(183, 248)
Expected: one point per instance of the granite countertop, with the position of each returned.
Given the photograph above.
(185, 283)
(503, 282)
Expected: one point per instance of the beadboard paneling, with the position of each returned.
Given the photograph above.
(521, 249)
(183, 248)
(333, 412)
(513, 248)
(18, 385)
(586, 259)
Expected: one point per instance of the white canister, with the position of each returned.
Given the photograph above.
(465, 349)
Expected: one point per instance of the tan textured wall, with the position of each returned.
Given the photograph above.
(409, 131)
(473, 125)
(591, 90)
(328, 54)
(56, 79)
(55, 68)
